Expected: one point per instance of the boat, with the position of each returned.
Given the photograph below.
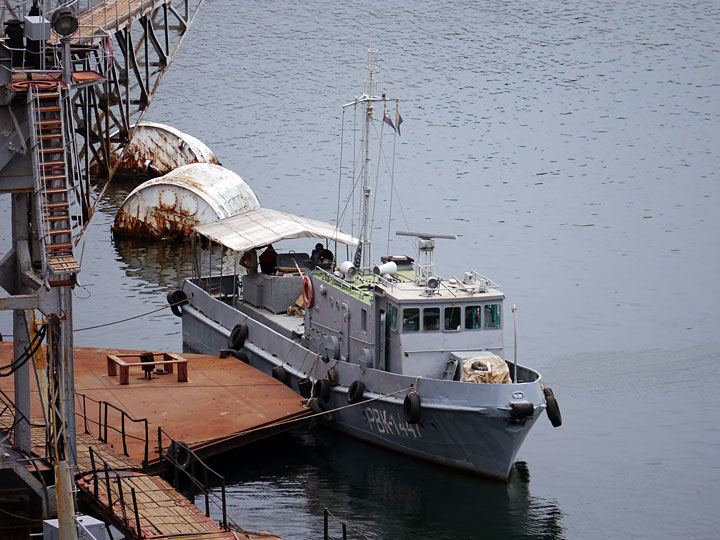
(390, 353)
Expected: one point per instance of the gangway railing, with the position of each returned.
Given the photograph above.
(106, 425)
(184, 463)
(103, 475)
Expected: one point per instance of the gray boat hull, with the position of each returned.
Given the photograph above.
(464, 425)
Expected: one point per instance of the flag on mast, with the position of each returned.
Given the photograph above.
(398, 121)
(386, 119)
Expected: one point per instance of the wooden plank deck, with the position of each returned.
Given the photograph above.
(106, 18)
(162, 512)
(222, 400)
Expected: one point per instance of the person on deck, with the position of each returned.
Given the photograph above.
(268, 260)
(321, 257)
(250, 261)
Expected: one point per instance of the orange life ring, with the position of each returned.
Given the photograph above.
(307, 291)
(23, 86)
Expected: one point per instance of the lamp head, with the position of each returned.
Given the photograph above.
(64, 21)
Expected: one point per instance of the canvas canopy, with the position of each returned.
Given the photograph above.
(262, 226)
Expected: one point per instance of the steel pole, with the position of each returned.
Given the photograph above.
(514, 309)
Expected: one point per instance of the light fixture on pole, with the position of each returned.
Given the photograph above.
(64, 21)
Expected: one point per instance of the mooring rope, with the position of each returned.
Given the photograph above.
(314, 415)
(183, 301)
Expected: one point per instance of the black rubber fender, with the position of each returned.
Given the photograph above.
(412, 407)
(181, 454)
(305, 387)
(281, 374)
(317, 405)
(322, 390)
(356, 392)
(177, 299)
(520, 410)
(239, 355)
(237, 337)
(552, 408)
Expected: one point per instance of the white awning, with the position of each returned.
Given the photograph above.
(262, 226)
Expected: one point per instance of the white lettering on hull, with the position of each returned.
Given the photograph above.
(388, 424)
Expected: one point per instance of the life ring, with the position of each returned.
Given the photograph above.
(23, 86)
(305, 387)
(552, 408)
(411, 407)
(281, 374)
(181, 454)
(355, 392)
(237, 337)
(177, 299)
(322, 390)
(307, 292)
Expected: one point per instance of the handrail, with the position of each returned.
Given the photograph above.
(119, 480)
(341, 282)
(104, 425)
(186, 465)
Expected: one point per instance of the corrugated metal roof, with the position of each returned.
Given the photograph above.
(262, 226)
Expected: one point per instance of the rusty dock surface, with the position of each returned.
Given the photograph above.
(223, 404)
(126, 422)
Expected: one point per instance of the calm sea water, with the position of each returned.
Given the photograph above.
(573, 148)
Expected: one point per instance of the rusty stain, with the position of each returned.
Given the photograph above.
(170, 206)
(157, 149)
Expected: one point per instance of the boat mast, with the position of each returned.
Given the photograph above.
(363, 255)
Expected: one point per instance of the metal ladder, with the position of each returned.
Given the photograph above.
(51, 164)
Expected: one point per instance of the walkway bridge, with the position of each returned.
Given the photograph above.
(75, 78)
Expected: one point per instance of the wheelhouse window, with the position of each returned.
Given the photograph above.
(411, 319)
(431, 319)
(473, 316)
(452, 318)
(492, 316)
(392, 315)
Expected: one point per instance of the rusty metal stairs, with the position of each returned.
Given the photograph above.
(53, 170)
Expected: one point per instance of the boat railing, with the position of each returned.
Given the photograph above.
(340, 282)
(385, 282)
(486, 281)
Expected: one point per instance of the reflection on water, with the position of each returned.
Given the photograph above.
(572, 147)
(162, 264)
(380, 493)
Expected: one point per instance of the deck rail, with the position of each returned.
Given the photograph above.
(185, 464)
(107, 470)
(106, 425)
(7, 406)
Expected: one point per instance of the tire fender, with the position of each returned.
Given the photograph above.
(552, 408)
(356, 392)
(237, 337)
(281, 374)
(412, 407)
(317, 405)
(181, 454)
(177, 299)
(305, 387)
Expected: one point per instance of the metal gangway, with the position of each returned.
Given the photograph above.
(76, 77)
